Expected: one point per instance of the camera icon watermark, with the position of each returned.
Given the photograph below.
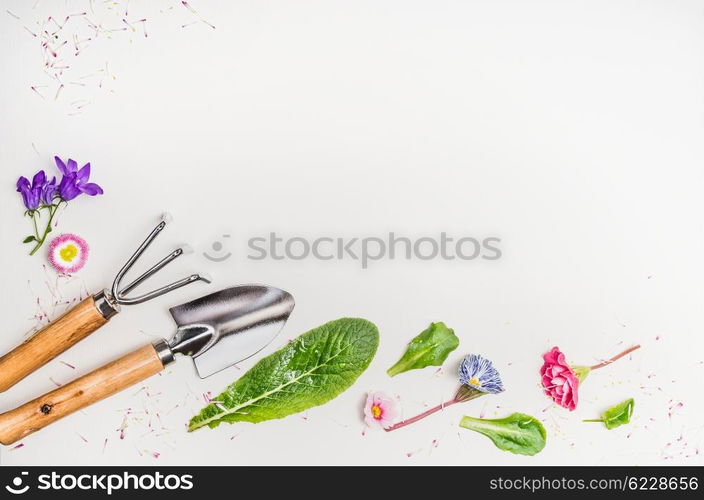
(18, 487)
(217, 251)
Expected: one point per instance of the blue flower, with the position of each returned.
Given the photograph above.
(479, 373)
(477, 378)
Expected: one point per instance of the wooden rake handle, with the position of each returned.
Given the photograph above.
(84, 391)
(45, 345)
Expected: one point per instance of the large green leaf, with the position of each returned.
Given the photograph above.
(518, 433)
(309, 371)
(430, 348)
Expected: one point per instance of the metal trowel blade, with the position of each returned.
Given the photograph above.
(226, 327)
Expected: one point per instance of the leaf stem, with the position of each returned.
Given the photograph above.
(618, 356)
(434, 409)
(396, 369)
(594, 420)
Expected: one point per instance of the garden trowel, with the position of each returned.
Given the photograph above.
(217, 331)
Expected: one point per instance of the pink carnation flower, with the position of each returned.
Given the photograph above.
(68, 253)
(559, 379)
(379, 410)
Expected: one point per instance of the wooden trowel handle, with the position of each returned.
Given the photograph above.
(48, 343)
(99, 384)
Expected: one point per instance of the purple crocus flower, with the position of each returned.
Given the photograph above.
(31, 192)
(75, 181)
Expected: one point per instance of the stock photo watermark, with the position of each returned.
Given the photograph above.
(363, 249)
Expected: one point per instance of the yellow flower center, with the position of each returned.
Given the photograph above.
(475, 381)
(69, 252)
(376, 412)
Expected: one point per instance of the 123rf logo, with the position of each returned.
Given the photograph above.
(107, 483)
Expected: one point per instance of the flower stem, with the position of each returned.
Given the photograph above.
(434, 409)
(40, 241)
(36, 229)
(618, 356)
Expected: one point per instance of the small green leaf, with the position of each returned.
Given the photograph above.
(430, 348)
(518, 433)
(29, 239)
(618, 415)
(581, 372)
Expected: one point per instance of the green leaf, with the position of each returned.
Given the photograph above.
(581, 372)
(430, 348)
(518, 433)
(29, 239)
(311, 370)
(618, 415)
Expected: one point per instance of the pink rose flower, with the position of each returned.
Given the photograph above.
(379, 410)
(559, 379)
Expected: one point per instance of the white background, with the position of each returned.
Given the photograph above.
(570, 129)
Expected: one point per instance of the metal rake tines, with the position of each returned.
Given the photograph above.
(119, 294)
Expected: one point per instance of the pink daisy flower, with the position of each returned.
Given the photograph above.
(68, 253)
(379, 410)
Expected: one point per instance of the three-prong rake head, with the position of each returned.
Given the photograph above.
(120, 295)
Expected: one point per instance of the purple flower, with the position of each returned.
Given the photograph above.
(31, 193)
(75, 181)
(49, 190)
(67, 188)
